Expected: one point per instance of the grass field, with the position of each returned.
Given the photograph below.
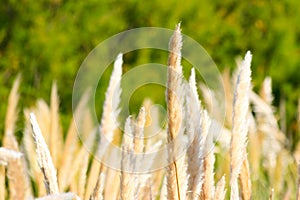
(248, 160)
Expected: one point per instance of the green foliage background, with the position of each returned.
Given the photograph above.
(47, 40)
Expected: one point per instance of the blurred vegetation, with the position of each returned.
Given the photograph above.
(48, 40)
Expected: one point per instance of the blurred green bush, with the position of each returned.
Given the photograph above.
(47, 40)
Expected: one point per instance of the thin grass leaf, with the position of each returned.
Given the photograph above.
(71, 145)
(56, 140)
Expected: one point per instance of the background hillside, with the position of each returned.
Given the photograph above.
(48, 40)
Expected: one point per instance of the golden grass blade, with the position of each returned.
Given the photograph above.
(240, 124)
(77, 176)
(255, 140)
(91, 180)
(220, 189)
(88, 124)
(82, 175)
(18, 180)
(298, 183)
(2, 183)
(181, 165)
(71, 145)
(98, 193)
(56, 140)
(80, 165)
(43, 116)
(245, 180)
(112, 184)
(44, 158)
(174, 110)
(227, 83)
(9, 140)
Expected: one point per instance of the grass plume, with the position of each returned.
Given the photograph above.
(240, 124)
(174, 110)
(44, 158)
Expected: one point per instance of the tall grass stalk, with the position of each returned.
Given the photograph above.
(175, 114)
(18, 181)
(2, 182)
(240, 124)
